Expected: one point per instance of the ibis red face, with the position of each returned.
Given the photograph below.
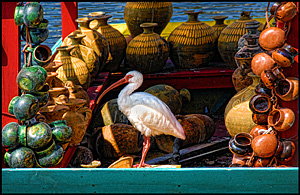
(116, 84)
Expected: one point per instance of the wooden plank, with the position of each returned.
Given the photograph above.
(162, 180)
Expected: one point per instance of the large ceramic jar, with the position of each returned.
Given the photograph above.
(73, 69)
(77, 118)
(116, 41)
(87, 54)
(136, 13)
(219, 26)
(229, 37)
(192, 43)
(238, 116)
(147, 52)
(252, 29)
(93, 39)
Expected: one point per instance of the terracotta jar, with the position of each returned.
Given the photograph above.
(55, 93)
(237, 115)
(194, 129)
(147, 52)
(137, 13)
(281, 119)
(76, 91)
(240, 144)
(93, 39)
(116, 41)
(116, 140)
(229, 37)
(265, 145)
(218, 27)
(285, 55)
(73, 69)
(272, 38)
(86, 54)
(192, 43)
(255, 131)
(288, 89)
(260, 103)
(285, 12)
(261, 62)
(77, 118)
(285, 151)
(53, 112)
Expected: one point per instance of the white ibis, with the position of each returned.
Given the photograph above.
(146, 112)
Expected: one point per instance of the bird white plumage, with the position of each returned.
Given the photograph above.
(146, 112)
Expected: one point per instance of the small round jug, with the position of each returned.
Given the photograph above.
(19, 15)
(285, 151)
(288, 89)
(38, 135)
(26, 107)
(269, 79)
(261, 62)
(10, 137)
(22, 157)
(31, 78)
(264, 146)
(41, 55)
(281, 119)
(37, 35)
(61, 132)
(272, 38)
(260, 103)
(285, 55)
(260, 118)
(285, 12)
(255, 131)
(33, 14)
(241, 144)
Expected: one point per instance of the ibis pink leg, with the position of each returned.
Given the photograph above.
(146, 146)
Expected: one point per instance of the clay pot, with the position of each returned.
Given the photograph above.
(264, 146)
(288, 89)
(19, 15)
(261, 62)
(218, 27)
(117, 139)
(42, 95)
(38, 135)
(53, 112)
(241, 144)
(255, 130)
(229, 37)
(48, 149)
(136, 13)
(76, 91)
(285, 151)
(77, 118)
(285, 12)
(41, 55)
(73, 69)
(11, 104)
(52, 159)
(260, 103)
(260, 118)
(285, 55)
(31, 78)
(10, 137)
(272, 38)
(147, 52)
(281, 119)
(55, 93)
(116, 41)
(192, 43)
(237, 114)
(86, 54)
(269, 79)
(26, 107)
(33, 14)
(93, 39)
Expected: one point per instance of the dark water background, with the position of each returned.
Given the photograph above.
(52, 12)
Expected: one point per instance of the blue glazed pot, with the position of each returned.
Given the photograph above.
(26, 107)
(33, 14)
(32, 78)
(10, 137)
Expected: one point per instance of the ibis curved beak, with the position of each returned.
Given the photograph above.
(116, 84)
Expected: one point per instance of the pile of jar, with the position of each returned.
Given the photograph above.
(262, 146)
(32, 143)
